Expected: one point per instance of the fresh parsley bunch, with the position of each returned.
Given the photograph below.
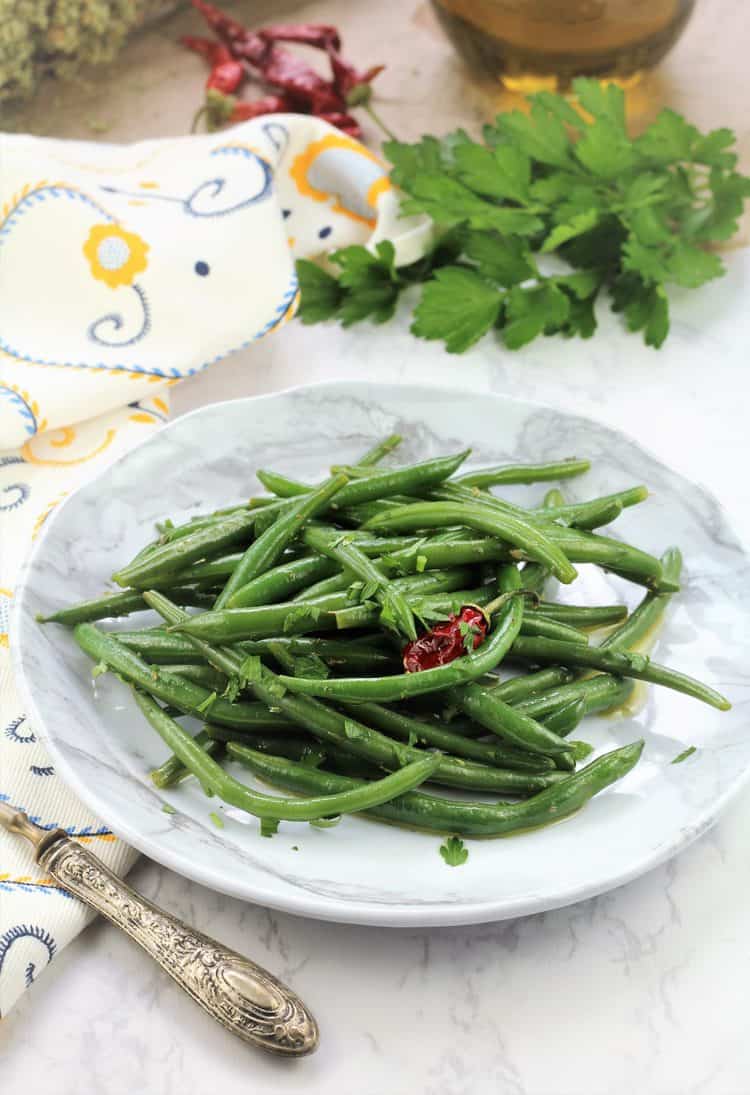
(626, 215)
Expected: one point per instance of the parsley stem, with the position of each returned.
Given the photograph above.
(379, 122)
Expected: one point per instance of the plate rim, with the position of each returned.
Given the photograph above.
(323, 907)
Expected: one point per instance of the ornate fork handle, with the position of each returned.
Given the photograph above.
(243, 997)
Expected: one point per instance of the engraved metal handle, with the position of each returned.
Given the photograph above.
(243, 997)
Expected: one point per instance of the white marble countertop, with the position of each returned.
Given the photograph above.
(642, 989)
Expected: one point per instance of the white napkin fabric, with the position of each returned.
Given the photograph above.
(122, 270)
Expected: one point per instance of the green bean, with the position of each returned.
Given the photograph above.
(263, 553)
(110, 605)
(564, 720)
(533, 577)
(599, 693)
(593, 515)
(384, 484)
(537, 624)
(552, 498)
(234, 793)
(173, 771)
(379, 450)
(649, 611)
(339, 582)
(619, 662)
(578, 545)
(580, 616)
(520, 534)
(158, 646)
(516, 689)
(524, 473)
(176, 691)
(485, 706)
(425, 555)
(430, 733)
(229, 625)
(170, 559)
(395, 611)
(577, 512)
(280, 582)
(285, 487)
(205, 675)
(424, 811)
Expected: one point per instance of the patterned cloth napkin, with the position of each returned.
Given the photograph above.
(122, 270)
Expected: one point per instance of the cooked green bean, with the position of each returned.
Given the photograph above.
(424, 811)
(578, 545)
(600, 693)
(384, 484)
(264, 552)
(205, 675)
(552, 498)
(430, 733)
(426, 555)
(649, 611)
(564, 720)
(170, 559)
(523, 473)
(485, 706)
(111, 605)
(234, 793)
(281, 582)
(619, 662)
(580, 615)
(285, 487)
(173, 771)
(521, 535)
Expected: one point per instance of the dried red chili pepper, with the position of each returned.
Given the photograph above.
(244, 109)
(347, 123)
(317, 35)
(288, 72)
(226, 77)
(220, 109)
(304, 90)
(216, 53)
(447, 641)
(346, 77)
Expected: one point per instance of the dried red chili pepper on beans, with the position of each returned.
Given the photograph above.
(447, 641)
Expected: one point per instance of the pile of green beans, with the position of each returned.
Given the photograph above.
(302, 601)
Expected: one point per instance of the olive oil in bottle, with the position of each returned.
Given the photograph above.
(544, 44)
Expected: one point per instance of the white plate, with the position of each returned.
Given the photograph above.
(361, 871)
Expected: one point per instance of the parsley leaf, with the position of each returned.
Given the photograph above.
(453, 851)
(321, 293)
(504, 259)
(459, 306)
(684, 755)
(532, 312)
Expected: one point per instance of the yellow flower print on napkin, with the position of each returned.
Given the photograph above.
(114, 255)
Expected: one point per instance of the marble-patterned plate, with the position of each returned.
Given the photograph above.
(361, 871)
